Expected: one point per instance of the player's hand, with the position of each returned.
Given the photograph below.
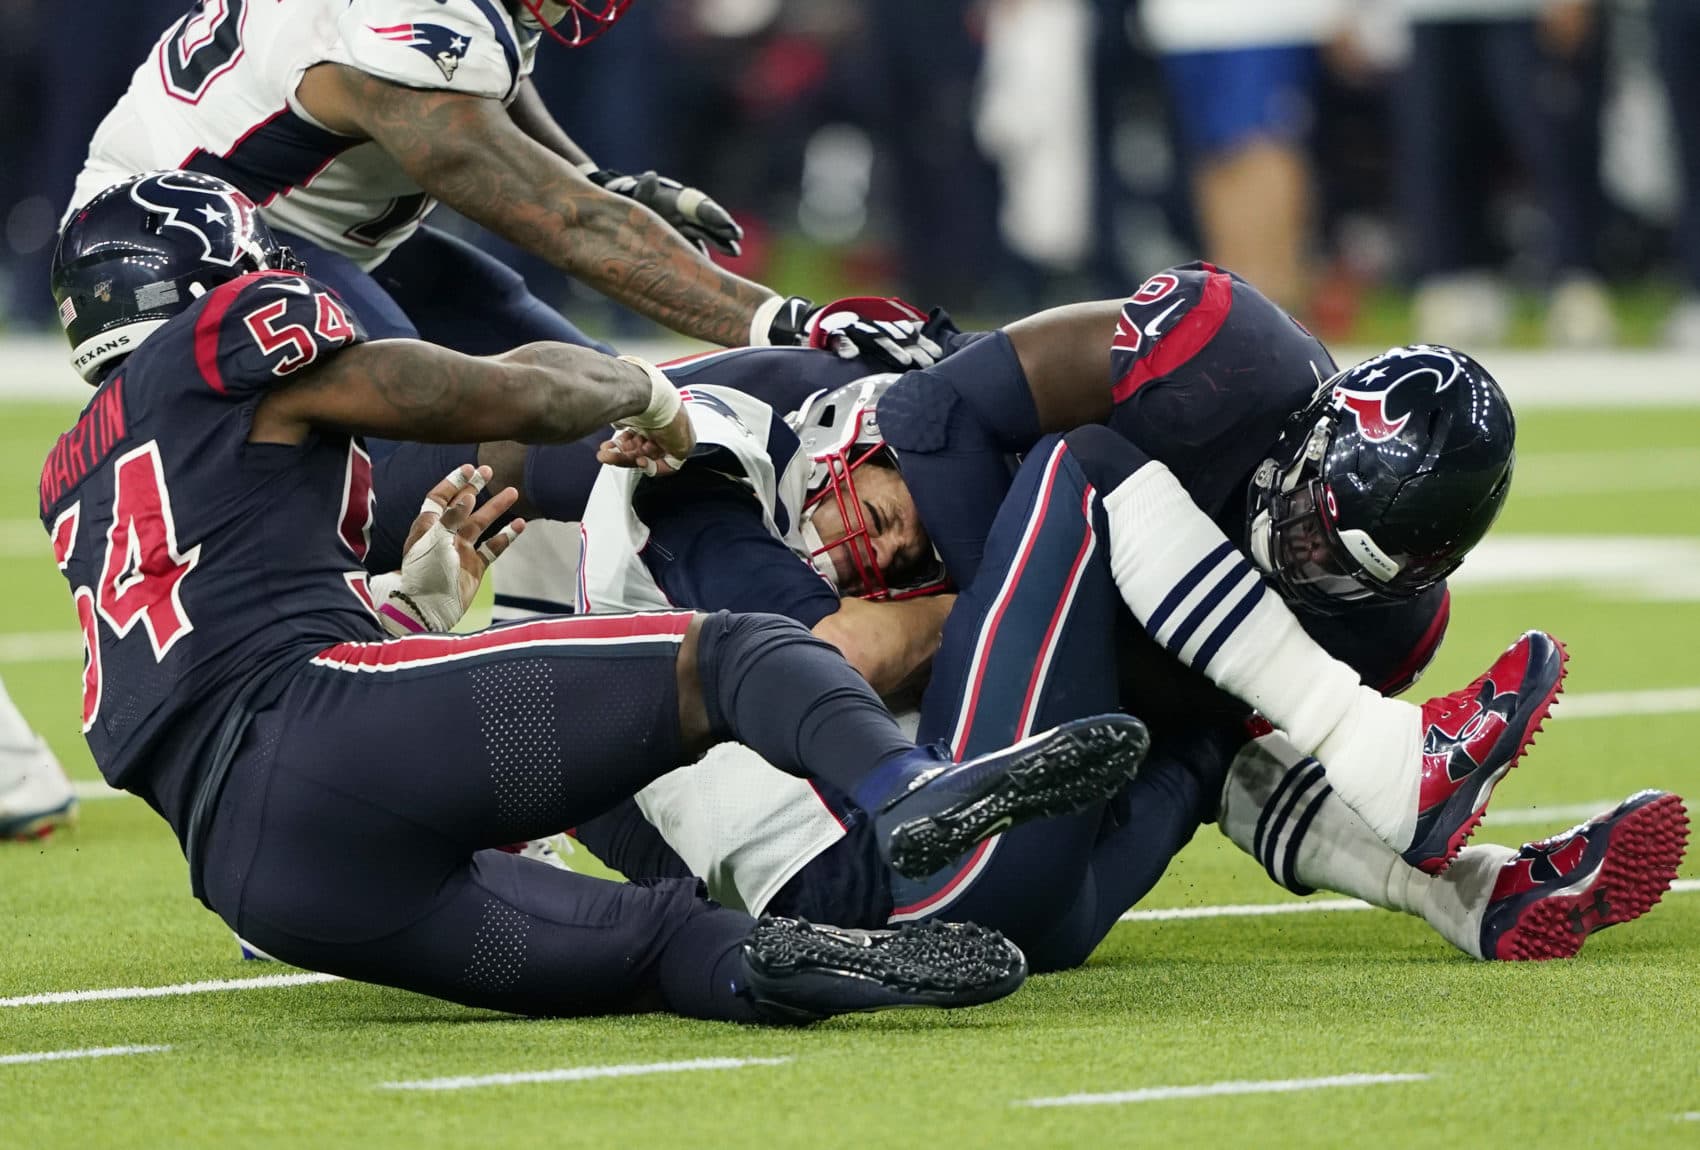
(885, 331)
(443, 562)
(632, 448)
(691, 213)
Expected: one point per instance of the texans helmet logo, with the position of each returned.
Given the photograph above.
(1367, 394)
(221, 220)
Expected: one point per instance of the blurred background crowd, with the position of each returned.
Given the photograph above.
(1466, 171)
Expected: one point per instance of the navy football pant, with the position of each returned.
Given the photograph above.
(1033, 642)
(352, 835)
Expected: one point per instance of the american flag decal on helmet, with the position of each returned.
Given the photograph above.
(445, 47)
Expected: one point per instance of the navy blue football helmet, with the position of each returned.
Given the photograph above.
(1382, 484)
(144, 250)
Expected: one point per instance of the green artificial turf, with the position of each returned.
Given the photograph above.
(1597, 1051)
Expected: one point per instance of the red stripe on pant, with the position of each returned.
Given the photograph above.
(586, 630)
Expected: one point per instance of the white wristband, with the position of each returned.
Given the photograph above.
(664, 402)
(761, 327)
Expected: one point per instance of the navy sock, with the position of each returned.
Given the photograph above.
(771, 685)
(702, 973)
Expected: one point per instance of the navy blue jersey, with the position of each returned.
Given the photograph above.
(709, 549)
(201, 563)
(1204, 371)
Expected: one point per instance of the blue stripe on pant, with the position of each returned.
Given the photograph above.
(1031, 643)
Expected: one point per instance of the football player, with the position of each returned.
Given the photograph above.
(209, 512)
(1036, 634)
(347, 121)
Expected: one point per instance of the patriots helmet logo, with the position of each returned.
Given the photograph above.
(1367, 390)
(445, 47)
(221, 217)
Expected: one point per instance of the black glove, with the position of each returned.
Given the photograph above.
(887, 332)
(690, 212)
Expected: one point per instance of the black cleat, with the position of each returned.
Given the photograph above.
(800, 972)
(1057, 772)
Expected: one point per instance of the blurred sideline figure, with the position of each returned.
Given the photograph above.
(1676, 24)
(1530, 74)
(35, 795)
(1241, 77)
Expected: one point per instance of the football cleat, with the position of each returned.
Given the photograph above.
(1551, 895)
(800, 972)
(1473, 737)
(37, 796)
(946, 810)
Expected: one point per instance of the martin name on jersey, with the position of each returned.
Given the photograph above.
(167, 523)
(218, 95)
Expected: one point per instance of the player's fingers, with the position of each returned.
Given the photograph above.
(483, 517)
(459, 508)
(491, 549)
(440, 496)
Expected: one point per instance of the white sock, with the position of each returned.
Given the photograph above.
(1278, 808)
(22, 753)
(1207, 604)
(538, 573)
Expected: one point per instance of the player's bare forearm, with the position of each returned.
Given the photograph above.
(469, 153)
(406, 389)
(888, 643)
(1065, 354)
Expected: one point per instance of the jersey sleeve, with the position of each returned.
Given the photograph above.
(466, 46)
(254, 333)
(1167, 322)
(709, 549)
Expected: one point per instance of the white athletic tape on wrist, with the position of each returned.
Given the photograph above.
(761, 326)
(664, 401)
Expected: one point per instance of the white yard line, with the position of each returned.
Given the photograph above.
(1558, 813)
(268, 982)
(1309, 906)
(41, 647)
(1612, 704)
(89, 1052)
(580, 1073)
(1213, 1089)
(276, 981)
(96, 791)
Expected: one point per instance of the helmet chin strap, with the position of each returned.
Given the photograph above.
(818, 553)
(1262, 529)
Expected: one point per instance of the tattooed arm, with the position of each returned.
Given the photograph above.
(405, 389)
(468, 152)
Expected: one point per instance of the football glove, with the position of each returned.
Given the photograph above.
(690, 212)
(885, 331)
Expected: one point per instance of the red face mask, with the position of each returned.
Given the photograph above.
(576, 22)
(857, 544)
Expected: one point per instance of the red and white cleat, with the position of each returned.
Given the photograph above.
(1473, 737)
(1551, 895)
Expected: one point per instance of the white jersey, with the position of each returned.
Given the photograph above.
(217, 95)
(741, 825)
